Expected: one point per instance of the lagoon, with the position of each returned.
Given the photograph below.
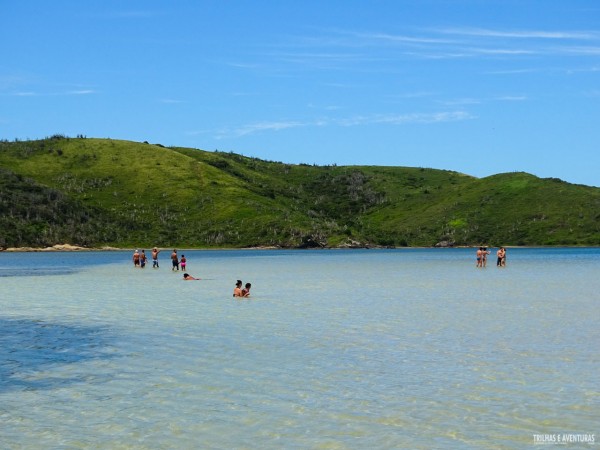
(336, 349)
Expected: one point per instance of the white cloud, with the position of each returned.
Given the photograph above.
(395, 38)
(51, 94)
(24, 94)
(579, 50)
(258, 127)
(391, 119)
(512, 98)
(400, 119)
(80, 92)
(461, 101)
(519, 34)
(502, 51)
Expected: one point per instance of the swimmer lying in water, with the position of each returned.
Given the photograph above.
(187, 276)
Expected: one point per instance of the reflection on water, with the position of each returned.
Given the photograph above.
(335, 349)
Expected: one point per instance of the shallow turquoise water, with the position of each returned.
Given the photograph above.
(335, 349)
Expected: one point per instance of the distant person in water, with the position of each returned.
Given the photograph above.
(500, 256)
(183, 262)
(246, 290)
(237, 290)
(187, 276)
(175, 260)
(479, 256)
(143, 259)
(155, 253)
(484, 255)
(136, 259)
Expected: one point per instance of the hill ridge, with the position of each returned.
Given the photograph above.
(120, 193)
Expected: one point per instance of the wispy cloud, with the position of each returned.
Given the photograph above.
(461, 101)
(125, 14)
(512, 98)
(258, 127)
(478, 101)
(579, 50)
(51, 94)
(502, 51)
(404, 39)
(342, 48)
(511, 71)
(324, 108)
(241, 65)
(390, 119)
(80, 92)
(518, 34)
(403, 119)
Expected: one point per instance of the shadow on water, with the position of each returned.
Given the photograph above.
(30, 348)
(35, 272)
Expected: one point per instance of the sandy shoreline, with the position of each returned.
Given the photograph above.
(75, 248)
(59, 248)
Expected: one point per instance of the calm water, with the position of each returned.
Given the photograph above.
(377, 349)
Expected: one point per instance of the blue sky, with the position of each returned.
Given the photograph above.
(480, 87)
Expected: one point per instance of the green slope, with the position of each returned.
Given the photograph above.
(125, 193)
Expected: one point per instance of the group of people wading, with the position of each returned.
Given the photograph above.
(483, 252)
(140, 259)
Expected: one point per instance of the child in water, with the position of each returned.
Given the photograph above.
(246, 290)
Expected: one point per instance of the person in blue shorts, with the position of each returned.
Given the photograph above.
(155, 253)
(175, 260)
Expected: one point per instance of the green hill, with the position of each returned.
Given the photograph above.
(95, 192)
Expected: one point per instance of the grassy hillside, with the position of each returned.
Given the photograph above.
(105, 192)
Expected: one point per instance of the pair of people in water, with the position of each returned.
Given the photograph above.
(139, 259)
(178, 262)
(482, 253)
(238, 291)
(501, 257)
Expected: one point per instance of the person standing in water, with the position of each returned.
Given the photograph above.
(155, 253)
(237, 291)
(136, 259)
(143, 259)
(484, 255)
(500, 256)
(175, 260)
(183, 262)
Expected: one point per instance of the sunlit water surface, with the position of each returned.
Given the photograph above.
(351, 349)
